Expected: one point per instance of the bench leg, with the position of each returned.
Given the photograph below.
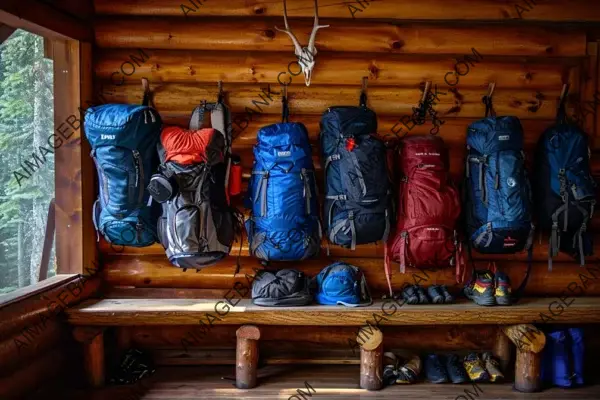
(502, 350)
(246, 356)
(371, 360)
(93, 353)
(527, 371)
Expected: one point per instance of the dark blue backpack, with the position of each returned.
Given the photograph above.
(357, 191)
(123, 139)
(565, 190)
(497, 190)
(284, 223)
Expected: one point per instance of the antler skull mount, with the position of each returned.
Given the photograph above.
(306, 55)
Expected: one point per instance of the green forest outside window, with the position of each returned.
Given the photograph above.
(26, 159)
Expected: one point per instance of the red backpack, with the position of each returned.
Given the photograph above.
(428, 210)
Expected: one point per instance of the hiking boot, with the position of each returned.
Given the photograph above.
(390, 372)
(503, 293)
(410, 295)
(481, 289)
(448, 298)
(435, 295)
(493, 367)
(422, 296)
(435, 370)
(456, 370)
(409, 372)
(475, 368)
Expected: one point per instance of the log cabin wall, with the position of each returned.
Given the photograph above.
(185, 47)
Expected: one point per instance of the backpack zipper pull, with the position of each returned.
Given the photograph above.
(139, 227)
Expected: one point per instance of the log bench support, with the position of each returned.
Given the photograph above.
(529, 342)
(246, 354)
(371, 359)
(92, 339)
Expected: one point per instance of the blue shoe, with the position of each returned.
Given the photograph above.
(577, 351)
(435, 369)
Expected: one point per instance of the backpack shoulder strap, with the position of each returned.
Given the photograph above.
(197, 119)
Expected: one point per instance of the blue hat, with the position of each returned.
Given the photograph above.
(341, 283)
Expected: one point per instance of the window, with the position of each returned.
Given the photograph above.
(27, 160)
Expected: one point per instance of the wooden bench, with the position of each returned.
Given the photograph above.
(93, 316)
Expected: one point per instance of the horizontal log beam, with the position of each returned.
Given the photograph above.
(157, 272)
(334, 68)
(34, 312)
(341, 36)
(453, 131)
(31, 343)
(131, 312)
(443, 337)
(181, 98)
(25, 380)
(41, 18)
(572, 10)
(370, 250)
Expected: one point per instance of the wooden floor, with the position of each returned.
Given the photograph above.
(282, 382)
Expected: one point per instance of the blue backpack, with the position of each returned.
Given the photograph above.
(498, 195)
(565, 190)
(284, 223)
(357, 191)
(123, 139)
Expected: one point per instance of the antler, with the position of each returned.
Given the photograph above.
(298, 48)
(313, 34)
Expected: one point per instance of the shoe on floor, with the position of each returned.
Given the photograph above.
(435, 295)
(422, 296)
(448, 298)
(390, 373)
(410, 295)
(493, 367)
(475, 368)
(481, 289)
(503, 293)
(409, 372)
(435, 369)
(456, 370)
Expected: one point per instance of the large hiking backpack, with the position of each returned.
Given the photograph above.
(565, 192)
(198, 225)
(123, 138)
(428, 208)
(284, 222)
(357, 190)
(498, 195)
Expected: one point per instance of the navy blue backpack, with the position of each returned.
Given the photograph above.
(498, 195)
(123, 139)
(565, 190)
(357, 191)
(284, 223)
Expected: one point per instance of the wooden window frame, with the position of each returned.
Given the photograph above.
(71, 50)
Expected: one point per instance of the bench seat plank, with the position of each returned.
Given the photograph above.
(132, 312)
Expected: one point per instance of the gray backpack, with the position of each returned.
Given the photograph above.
(198, 225)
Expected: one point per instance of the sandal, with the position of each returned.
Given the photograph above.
(410, 295)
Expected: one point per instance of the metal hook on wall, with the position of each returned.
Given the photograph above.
(285, 111)
(487, 100)
(426, 91)
(147, 98)
(220, 95)
(363, 91)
